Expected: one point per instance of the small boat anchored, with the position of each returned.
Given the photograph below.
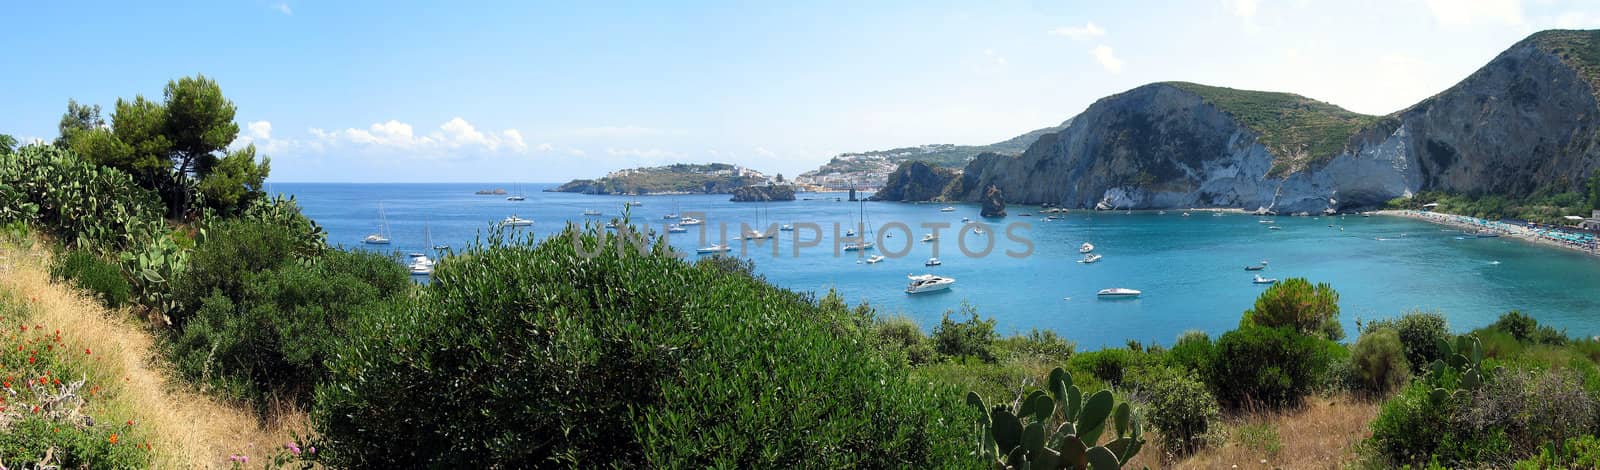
(928, 283)
(1090, 258)
(1086, 248)
(947, 209)
(675, 228)
(515, 221)
(1264, 280)
(1255, 268)
(687, 221)
(874, 259)
(715, 248)
(1118, 293)
(930, 238)
(932, 262)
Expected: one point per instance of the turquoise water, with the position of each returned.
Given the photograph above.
(1190, 268)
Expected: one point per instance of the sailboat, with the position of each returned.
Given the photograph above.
(420, 264)
(518, 196)
(865, 242)
(382, 237)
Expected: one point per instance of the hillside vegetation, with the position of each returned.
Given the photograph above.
(1579, 49)
(1299, 131)
(709, 178)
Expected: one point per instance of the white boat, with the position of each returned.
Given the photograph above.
(422, 269)
(1116, 292)
(929, 238)
(1274, 227)
(1185, 214)
(1264, 221)
(948, 209)
(928, 283)
(518, 196)
(590, 212)
(611, 225)
(874, 259)
(441, 247)
(1090, 258)
(515, 221)
(978, 230)
(687, 221)
(382, 237)
(716, 248)
(669, 216)
(1086, 247)
(756, 235)
(850, 233)
(966, 219)
(1264, 280)
(858, 246)
(863, 243)
(633, 203)
(932, 262)
(675, 228)
(786, 228)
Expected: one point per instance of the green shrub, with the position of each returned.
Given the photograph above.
(1397, 431)
(902, 335)
(232, 252)
(1192, 351)
(1379, 361)
(1419, 332)
(1107, 365)
(1527, 330)
(1532, 407)
(1298, 305)
(274, 339)
(522, 354)
(89, 272)
(972, 337)
(1580, 452)
(1178, 404)
(1273, 367)
(1043, 344)
(83, 204)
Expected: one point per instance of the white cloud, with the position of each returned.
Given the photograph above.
(545, 147)
(762, 151)
(282, 8)
(1476, 12)
(1245, 8)
(577, 152)
(260, 129)
(622, 131)
(454, 135)
(1102, 54)
(1078, 33)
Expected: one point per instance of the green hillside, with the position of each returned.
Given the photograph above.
(707, 178)
(1579, 49)
(1298, 130)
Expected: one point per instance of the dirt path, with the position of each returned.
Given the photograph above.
(189, 429)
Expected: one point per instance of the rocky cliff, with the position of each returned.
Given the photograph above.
(762, 193)
(915, 181)
(1524, 122)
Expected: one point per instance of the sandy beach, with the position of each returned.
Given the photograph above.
(1542, 236)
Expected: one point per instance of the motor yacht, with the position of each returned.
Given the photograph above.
(1090, 258)
(928, 283)
(687, 221)
(515, 221)
(1264, 280)
(715, 248)
(1118, 292)
(932, 262)
(1086, 247)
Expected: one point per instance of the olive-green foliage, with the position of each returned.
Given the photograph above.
(1414, 426)
(1532, 407)
(1108, 365)
(1298, 305)
(79, 117)
(231, 252)
(1042, 344)
(235, 182)
(274, 338)
(902, 335)
(970, 338)
(102, 279)
(525, 354)
(1379, 361)
(1580, 452)
(8, 144)
(1060, 429)
(1297, 130)
(1525, 329)
(1545, 205)
(1192, 351)
(1271, 367)
(1419, 332)
(1177, 402)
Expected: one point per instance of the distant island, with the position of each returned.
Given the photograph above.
(679, 178)
(871, 169)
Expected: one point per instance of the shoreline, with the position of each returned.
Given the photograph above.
(1519, 232)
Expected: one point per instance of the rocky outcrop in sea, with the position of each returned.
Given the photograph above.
(763, 193)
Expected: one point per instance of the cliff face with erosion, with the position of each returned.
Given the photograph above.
(915, 181)
(1524, 122)
(763, 193)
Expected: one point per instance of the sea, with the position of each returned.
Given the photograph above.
(1189, 268)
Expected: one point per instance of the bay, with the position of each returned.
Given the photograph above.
(1189, 268)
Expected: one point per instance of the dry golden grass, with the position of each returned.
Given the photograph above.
(1323, 434)
(186, 429)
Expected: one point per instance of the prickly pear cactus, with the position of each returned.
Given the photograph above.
(1058, 430)
(1465, 359)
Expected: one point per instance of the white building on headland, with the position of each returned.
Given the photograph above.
(1591, 223)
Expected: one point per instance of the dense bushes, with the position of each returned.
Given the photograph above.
(1178, 404)
(1379, 362)
(903, 336)
(88, 272)
(1419, 333)
(274, 337)
(970, 338)
(1257, 365)
(83, 204)
(1299, 306)
(623, 360)
(1109, 365)
(1523, 327)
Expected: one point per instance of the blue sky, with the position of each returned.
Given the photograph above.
(531, 91)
